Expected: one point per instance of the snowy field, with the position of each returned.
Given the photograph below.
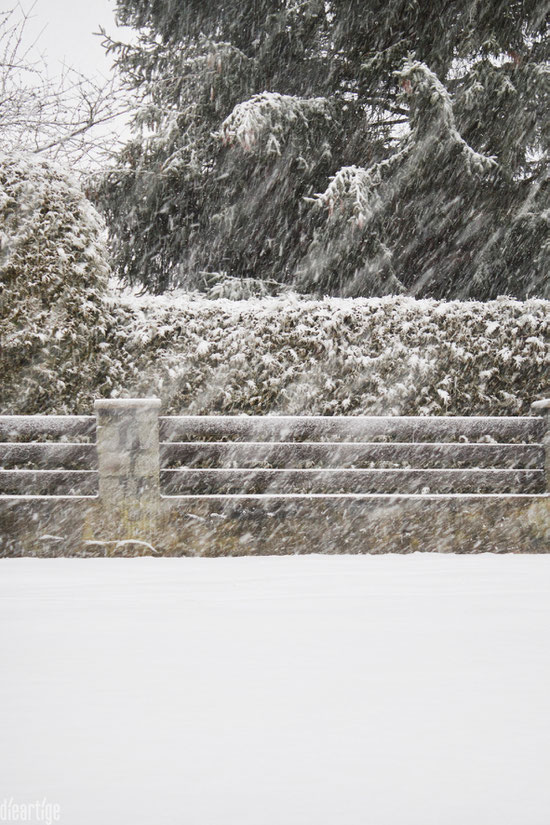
(383, 690)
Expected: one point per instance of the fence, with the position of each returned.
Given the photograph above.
(128, 478)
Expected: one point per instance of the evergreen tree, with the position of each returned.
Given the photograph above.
(356, 147)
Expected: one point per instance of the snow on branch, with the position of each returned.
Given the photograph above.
(357, 190)
(432, 114)
(354, 186)
(219, 54)
(269, 114)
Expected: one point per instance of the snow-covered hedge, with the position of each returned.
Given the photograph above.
(389, 355)
(337, 356)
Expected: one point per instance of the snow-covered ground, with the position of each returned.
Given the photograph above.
(392, 690)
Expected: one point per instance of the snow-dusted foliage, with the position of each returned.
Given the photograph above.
(155, 194)
(353, 187)
(391, 355)
(372, 199)
(336, 356)
(67, 340)
(423, 126)
(54, 273)
(432, 116)
(271, 116)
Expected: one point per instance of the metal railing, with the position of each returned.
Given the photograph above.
(136, 474)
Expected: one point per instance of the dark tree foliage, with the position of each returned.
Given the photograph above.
(355, 147)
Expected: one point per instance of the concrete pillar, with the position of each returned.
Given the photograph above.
(542, 408)
(128, 458)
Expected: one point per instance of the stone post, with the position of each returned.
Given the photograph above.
(542, 408)
(128, 459)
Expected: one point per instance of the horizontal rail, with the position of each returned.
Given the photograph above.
(354, 455)
(230, 481)
(267, 499)
(35, 427)
(350, 428)
(49, 482)
(50, 455)
(287, 428)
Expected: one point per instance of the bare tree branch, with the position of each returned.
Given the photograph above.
(70, 117)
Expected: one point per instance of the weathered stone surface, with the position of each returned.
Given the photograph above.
(128, 460)
(542, 408)
(355, 524)
(264, 525)
(46, 525)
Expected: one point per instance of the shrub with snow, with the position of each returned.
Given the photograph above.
(54, 273)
